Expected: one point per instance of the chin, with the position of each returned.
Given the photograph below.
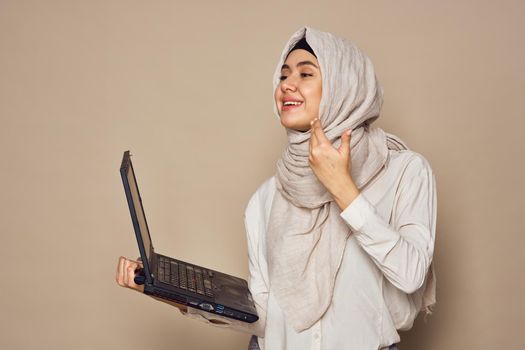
(294, 127)
(292, 123)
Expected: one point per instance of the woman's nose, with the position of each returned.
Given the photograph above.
(289, 84)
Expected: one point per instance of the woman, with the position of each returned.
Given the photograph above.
(341, 238)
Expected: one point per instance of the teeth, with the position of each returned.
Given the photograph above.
(287, 103)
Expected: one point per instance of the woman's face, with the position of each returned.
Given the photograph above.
(300, 84)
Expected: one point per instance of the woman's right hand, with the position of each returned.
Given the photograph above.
(126, 272)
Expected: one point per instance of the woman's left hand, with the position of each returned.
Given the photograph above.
(332, 166)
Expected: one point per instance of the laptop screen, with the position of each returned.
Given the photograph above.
(136, 210)
(137, 203)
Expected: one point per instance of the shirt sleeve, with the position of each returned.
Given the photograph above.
(254, 217)
(256, 281)
(402, 250)
(222, 321)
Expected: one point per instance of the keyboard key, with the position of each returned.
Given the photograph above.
(191, 278)
(200, 284)
(182, 276)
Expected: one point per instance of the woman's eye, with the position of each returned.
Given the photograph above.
(283, 77)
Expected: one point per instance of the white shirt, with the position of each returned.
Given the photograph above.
(382, 275)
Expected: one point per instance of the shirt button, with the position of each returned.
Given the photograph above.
(316, 336)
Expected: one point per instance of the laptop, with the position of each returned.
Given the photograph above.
(180, 281)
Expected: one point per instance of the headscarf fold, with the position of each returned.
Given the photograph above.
(306, 236)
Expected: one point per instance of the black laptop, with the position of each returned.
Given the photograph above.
(185, 283)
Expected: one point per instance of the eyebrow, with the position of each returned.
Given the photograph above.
(302, 63)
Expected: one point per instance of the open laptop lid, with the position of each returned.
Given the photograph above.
(137, 214)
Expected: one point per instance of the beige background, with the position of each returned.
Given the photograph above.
(187, 87)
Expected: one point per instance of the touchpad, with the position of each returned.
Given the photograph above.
(231, 291)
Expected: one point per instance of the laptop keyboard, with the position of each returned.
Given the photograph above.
(192, 278)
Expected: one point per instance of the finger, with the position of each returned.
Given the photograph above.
(319, 133)
(132, 272)
(344, 148)
(129, 271)
(125, 273)
(313, 139)
(120, 271)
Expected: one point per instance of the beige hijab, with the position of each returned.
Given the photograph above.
(306, 236)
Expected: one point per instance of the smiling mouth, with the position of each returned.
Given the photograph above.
(291, 105)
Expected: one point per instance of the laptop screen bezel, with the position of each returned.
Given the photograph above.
(125, 168)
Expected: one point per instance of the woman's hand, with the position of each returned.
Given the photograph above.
(332, 166)
(126, 272)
